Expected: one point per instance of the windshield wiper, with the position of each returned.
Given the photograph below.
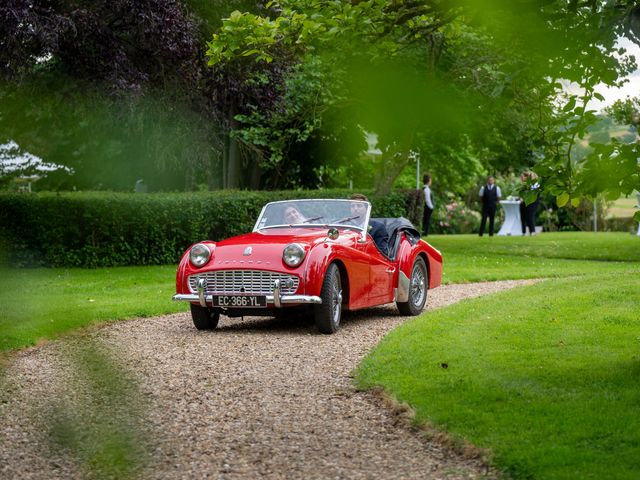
(346, 219)
(313, 219)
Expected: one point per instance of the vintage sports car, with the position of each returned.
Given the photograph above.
(314, 253)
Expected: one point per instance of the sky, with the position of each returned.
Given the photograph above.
(629, 89)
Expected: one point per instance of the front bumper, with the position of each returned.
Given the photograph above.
(276, 298)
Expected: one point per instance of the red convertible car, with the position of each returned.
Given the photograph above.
(314, 253)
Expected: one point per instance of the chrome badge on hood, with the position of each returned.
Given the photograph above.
(247, 251)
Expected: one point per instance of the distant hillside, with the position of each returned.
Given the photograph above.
(604, 130)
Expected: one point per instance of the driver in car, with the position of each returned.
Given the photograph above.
(375, 229)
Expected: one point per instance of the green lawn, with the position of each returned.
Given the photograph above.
(40, 304)
(469, 258)
(546, 377)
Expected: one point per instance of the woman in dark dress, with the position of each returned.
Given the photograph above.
(528, 212)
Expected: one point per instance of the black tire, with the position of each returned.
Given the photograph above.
(328, 313)
(204, 318)
(418, 288)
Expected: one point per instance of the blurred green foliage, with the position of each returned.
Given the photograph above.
(432, 77)
(113, 229)
(103, 427)
(110, 142)
(470, 87)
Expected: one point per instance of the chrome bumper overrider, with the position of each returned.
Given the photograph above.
(276, 298)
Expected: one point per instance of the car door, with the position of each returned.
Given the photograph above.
(381, 274)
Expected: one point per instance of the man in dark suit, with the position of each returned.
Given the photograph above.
(489, 195)
(375, 229)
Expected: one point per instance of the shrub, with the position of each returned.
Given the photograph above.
(110, 229)
(455, 217)
(620, 224)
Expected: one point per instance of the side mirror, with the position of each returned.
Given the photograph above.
(333, 233)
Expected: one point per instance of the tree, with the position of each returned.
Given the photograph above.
(470, 86)
(526, 49)
(315, 37)
(116, 88)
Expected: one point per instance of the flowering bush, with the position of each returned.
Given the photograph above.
(455, 217)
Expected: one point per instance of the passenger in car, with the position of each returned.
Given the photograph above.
(292, 216)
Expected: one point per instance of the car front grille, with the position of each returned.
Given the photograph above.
(256, 282)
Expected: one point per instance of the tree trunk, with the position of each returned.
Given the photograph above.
(392, 165)
(394, 160)
(234, 160)
(254, 175)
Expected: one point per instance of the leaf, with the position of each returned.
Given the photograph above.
(562, 199)
(612, 195)
(575, 202)
(598, 96)
(530, 196)
(570, 104)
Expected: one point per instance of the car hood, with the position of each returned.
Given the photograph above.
(264, 248)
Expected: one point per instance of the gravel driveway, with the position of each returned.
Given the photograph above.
(258, 398)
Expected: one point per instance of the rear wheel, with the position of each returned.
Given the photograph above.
(328, 313)
(418, 286)
(204, 318)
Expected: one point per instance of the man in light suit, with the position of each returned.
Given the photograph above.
(428, 205)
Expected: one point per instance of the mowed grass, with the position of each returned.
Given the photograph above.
(38, 304)
(545, 377)
(469, 258)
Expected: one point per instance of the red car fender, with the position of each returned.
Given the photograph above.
(405, 258)
(407, 255)
(181, 278)
(185, 268)
(435, 265)
(318, 259)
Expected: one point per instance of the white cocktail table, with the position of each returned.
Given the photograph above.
(512, 224)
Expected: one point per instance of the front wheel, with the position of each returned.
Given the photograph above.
(418, 286)
(204, 318)
(328, 313)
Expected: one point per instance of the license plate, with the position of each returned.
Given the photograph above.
(240, 301)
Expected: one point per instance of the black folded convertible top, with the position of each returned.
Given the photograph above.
(394, 226)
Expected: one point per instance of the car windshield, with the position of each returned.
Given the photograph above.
(339, 213)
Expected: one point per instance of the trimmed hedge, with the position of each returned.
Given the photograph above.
(113, 229)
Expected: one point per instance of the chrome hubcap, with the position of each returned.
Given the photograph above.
(418, 282)
(336, 305)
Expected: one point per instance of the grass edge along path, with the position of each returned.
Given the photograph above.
(545, 376)
(42, 304)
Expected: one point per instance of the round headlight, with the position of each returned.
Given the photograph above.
(293, 254)
(199, 255)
